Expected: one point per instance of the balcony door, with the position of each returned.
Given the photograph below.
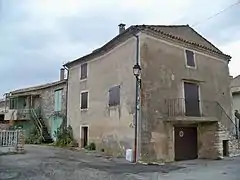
(191, 92)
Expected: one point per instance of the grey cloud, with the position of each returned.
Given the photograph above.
(223, 27)
(28, 55)
(97, 27)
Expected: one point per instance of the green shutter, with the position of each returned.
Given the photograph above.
(58, 100)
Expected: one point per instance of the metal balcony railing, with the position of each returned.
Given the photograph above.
(195, 108)
(23, 114)
(180, 107)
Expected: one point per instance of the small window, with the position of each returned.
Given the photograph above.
(114, 96)
(84, 100)
(83, 71)
(190, 58)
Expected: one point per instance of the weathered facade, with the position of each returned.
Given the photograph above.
(235, 90)
(43, 106)
(184, 95)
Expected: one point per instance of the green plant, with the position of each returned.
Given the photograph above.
(34, 137)
(91, 147)
(64, 136)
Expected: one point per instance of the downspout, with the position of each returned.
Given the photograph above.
(136, 103)
(66, 92)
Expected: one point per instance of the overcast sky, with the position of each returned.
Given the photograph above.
(38, 36)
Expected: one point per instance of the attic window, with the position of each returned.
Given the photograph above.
(190, 58)
(83, 71)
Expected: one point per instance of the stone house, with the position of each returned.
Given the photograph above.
(184, 105)
(3, 111)
(43, 106)
(235, 90)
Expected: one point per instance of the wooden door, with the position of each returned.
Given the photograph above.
(56, 123)
(185, 143)
(191, 92)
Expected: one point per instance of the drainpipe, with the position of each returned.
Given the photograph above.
(66, 91)
(136, 102)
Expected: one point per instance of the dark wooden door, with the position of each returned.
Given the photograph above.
(85, 136)
(186, 143)
(191, 99)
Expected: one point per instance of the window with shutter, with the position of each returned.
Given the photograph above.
(58, 100)
(83, 71)
(84, 100)
(114, 96)
(190, 58)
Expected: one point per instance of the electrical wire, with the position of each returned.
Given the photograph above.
(214, 15)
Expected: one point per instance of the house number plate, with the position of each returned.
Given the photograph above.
(181, 133)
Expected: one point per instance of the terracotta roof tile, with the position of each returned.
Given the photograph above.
(182, 33)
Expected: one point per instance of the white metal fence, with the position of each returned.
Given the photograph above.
(11, 138)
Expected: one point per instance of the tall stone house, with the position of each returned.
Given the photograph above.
(185, 100)
(42, 107)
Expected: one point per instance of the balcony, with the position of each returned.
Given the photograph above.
(23, 114)
(191, 110)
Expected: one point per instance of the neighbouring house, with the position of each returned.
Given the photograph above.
(43, 107)
(235, 90)
(3, 112)
(185, 101)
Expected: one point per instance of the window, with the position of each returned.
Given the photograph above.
(83, 71)
(13, 103)
(190, 58)
(58, 100)
(84, 100)
(114, 96)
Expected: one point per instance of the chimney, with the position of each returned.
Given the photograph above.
(121, 28)
(62, 71)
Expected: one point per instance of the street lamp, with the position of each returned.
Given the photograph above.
(136, 70)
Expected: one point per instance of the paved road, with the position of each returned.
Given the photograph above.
(45, 163)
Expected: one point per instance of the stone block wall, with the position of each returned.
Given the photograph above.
(233, 142)
(208, 141)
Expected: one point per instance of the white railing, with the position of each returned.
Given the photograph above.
(11, 138)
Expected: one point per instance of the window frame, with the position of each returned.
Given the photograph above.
(194, 59)
(82, 92)
(12, 103)
(80, 72)
(119, 101)
(59, 93)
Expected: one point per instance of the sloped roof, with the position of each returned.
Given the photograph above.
(39, 87)
(186, 33)
(181, 33)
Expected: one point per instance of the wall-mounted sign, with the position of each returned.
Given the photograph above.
(181, 133)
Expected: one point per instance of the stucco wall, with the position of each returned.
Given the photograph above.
(111, 128)
(163, 73)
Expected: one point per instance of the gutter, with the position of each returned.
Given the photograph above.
(64, 66)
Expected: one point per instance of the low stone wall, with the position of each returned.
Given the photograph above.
(4, 126)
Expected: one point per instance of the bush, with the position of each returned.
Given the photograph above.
(91, 147)
(34, 137)
(64, 137)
